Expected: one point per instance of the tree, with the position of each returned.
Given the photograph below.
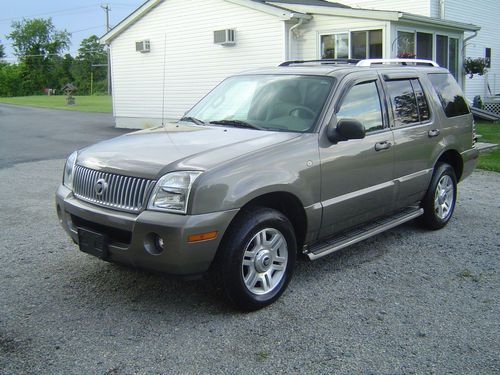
(37, 43)
(2, 51)
(90, 54)
(60, 72)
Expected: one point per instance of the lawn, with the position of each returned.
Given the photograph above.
(94, 103)
(489, 160)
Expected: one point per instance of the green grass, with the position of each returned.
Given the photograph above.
(97, 103)
(489, 160)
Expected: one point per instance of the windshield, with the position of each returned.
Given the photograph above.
(269, 102)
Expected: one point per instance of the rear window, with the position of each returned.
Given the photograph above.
(450, 95)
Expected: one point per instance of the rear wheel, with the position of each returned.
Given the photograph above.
(256, 259)
(439, 201)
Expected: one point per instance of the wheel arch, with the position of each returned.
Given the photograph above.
(453, 158)
(286, 203)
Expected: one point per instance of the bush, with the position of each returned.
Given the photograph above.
(10, 79)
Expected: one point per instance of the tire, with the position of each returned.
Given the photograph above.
(439, 201)
(256, 259)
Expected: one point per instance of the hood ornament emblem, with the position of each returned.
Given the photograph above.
(100, 187)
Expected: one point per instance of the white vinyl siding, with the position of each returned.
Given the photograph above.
(485, 14)
(420, 7)
(308, 45)
(193, 63)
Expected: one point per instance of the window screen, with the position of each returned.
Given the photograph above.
(449, 94)
(362, 103)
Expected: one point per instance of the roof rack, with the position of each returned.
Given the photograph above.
(322, 62)
(415, 62)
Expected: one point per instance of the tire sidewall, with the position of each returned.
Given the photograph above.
(234, 249)
(430, 218)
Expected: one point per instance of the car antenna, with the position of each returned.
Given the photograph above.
(163, 87)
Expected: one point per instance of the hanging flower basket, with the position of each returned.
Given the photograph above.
(474, 66)
(406, 55)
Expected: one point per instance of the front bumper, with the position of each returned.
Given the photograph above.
(130, 235)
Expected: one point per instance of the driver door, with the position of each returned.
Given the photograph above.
(357, 174)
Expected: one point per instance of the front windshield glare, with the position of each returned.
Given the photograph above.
(270, 102)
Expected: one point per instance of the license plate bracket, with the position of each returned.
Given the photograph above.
(93, 243)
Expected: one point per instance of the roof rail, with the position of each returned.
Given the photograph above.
(322, 62)
(415, 62)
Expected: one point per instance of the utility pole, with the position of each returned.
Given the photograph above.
(107, 9)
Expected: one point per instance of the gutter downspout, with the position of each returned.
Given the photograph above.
(463, 57)
(441, 9)
(290, 36)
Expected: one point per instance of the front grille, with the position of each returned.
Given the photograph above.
(121, 192)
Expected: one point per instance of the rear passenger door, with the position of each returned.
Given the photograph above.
(357, 175)
(416, 136)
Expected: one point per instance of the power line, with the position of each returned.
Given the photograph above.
(88, 28)
(50, 13)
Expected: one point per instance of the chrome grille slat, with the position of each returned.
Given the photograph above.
(123, 193)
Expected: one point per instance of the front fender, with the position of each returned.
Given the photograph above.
(291, 167)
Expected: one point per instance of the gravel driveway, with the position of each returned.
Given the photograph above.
(407, 301)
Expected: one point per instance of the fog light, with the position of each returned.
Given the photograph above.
(160, 244)
(154, 244)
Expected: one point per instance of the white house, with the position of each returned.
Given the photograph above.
(485, 43)
(169, 53)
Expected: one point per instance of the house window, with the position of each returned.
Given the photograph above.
(363, 44)
(406, 44)
(335, 46)
(442, 50)
(366, 44)
(445, 49)
(453, 57)
(424, 46)
(447, 53)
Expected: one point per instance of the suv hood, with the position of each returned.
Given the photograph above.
(153, 152)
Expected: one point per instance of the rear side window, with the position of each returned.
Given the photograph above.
(408, 102)
(403, 101)
(423, 107)
(449, 94)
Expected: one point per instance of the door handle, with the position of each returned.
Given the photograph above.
(433, 133)
(382, 145)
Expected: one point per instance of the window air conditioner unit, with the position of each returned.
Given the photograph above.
(225, 37)
(143, 46)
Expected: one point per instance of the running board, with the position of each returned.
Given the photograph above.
(344, 239)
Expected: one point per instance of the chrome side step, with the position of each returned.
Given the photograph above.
(344, 239)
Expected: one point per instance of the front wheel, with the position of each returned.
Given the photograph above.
(439, 201)
(256, 260)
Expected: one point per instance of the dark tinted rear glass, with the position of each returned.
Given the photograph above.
(404, 102)
(423, 108)
(450, 94)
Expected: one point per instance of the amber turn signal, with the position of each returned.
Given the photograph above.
(202, 236)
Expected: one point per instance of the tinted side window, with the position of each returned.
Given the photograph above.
(423, 107)
(362, 103)
(449, 94)
(403, 101)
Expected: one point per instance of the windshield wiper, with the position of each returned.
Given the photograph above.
(193, 119)
(236, 123)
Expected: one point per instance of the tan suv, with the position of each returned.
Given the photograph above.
(306, 158)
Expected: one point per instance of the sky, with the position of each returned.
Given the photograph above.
(81, 18)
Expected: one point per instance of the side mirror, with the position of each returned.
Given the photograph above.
(345, 129)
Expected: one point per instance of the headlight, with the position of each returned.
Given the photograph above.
(69, 170)
(171, 192)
